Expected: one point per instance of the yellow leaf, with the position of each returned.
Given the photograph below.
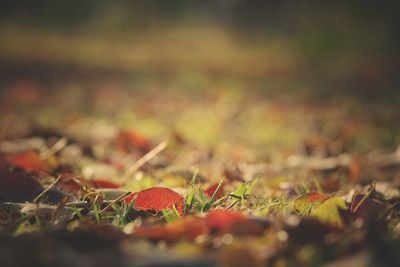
(307, 202)
(328, 211)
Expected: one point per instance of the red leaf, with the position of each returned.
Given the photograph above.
(224, 221)
(314, 196)
(28, 161)
(69, 184)
(157, 199)
(211, 189)
(187, 228)
(221, 220)
(129, 140)
(102, 183)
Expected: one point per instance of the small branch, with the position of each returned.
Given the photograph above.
(47, 189)
(232, 204)
(6, 125)
(60, 144)
(143, 160)
(114, 201)
(367, 195)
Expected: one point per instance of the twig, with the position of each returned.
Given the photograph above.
(143, 160)
(89, 194)
(232, 204)
(114, 201)
(47, 189)
(210, 202)
(60, 144)
(367, 195)
(7, 125)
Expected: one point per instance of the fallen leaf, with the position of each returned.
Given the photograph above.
(157, 199)
(211, 189)
(29, 161)
(130, 140)
(103, 183)
(366, 206)
(216, 222)
(18, 186)
(187, 228)
(305, 203)
(354, 169)
(328, 211)
(70, 183)
(221, 221)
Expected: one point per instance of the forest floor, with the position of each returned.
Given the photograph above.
(209, 159)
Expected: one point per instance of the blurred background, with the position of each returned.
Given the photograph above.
(272, 68)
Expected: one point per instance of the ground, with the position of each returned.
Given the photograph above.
(131, 153)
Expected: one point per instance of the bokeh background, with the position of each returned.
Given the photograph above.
(271, 73)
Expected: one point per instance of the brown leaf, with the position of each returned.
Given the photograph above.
(18, 186)
(366, 206)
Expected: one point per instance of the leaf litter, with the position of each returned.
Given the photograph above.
(117, 196)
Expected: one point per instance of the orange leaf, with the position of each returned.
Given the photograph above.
(102, 183)
(157, 199)
(224, 221)
(187, 228)
(216, 222)
(28, 161)
(221, 220)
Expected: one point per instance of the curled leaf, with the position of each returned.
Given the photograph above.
(366, 206)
